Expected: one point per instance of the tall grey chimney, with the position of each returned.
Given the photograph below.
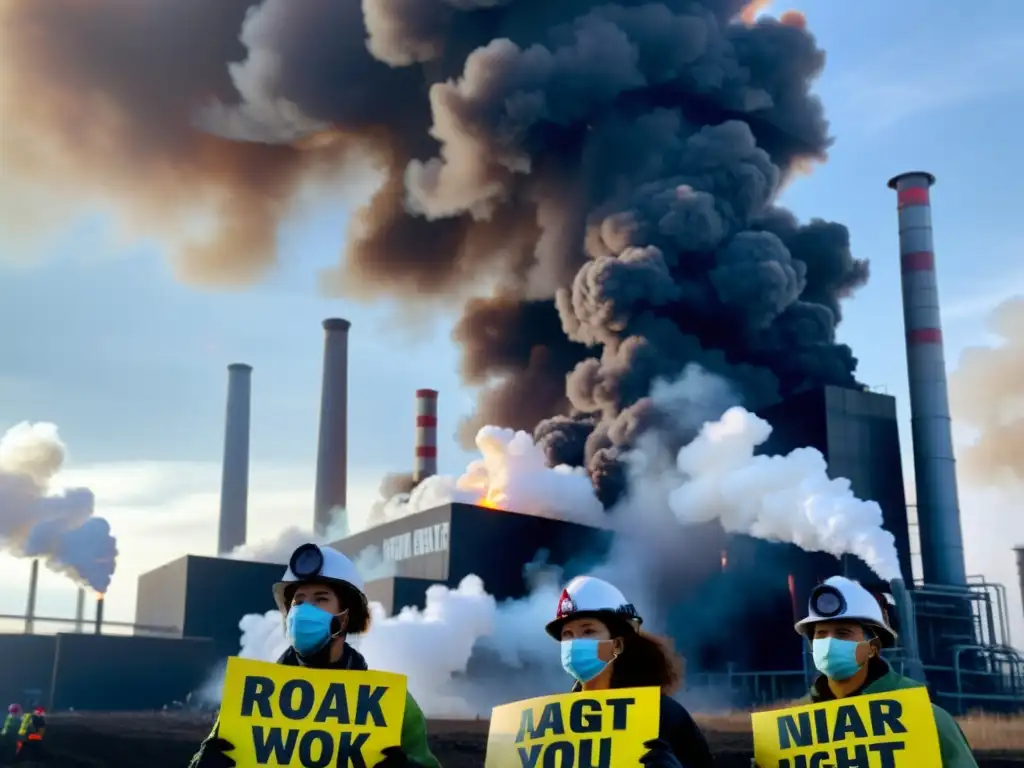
(234, 484)
(80, 611)
(938, 509)
(33, 589)
(332, 454)
(1020, 570)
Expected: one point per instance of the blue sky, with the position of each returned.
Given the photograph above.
(101, 339)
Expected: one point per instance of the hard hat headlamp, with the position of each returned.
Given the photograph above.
(827, 601)
(307, 561)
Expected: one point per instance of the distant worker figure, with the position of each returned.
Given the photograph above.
(848, 627)
(9, 734)
(603, 648)
(30, 736)
(321, 600)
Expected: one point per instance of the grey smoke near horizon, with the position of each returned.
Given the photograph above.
(986, 394)
(612, 168)
(61, 529)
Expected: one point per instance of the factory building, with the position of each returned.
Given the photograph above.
(724, 597)
(204, 597)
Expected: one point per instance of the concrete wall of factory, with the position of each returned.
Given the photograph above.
(160, 597)
(242, 588)
(116, 672)
(207, 597)
(448, 543)
(26, 668)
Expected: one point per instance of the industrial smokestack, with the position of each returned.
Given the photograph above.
(234, 484)
(332, 455)
(938, 511)
(426, 435)
(1020, 570)
(99, 614)
(33, 588)
(80, 611)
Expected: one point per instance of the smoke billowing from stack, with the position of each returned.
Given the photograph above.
(426, 435)
(332, 455)
(234, 484)
(59, 527)
(609, 170)
(938, 509)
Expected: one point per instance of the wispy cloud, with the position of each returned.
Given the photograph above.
(983, 298)
(927, 77)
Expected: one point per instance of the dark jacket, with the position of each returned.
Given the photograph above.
(414, 725)
(956, 753)
(677, 729)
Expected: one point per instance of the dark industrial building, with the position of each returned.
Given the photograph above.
(119, 672)
(26, 667)
(445, 544)
(204, 597)
(729, 602)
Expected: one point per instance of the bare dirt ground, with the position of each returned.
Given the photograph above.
(167, 740)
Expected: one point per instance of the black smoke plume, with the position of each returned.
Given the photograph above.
(608, 171)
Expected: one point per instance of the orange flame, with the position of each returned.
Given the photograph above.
(487, 503)
(99, 597)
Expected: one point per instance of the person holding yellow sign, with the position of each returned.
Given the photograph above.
(322, 601)
(603, 649)
(848, 627)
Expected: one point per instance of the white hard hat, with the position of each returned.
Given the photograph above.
(315, 563)
(840, 599)
(587, 596)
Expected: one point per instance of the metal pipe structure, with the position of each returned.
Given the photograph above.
(99, 614)
(426, 435)
(80, 611)
(912, 666)
(332, 453)
(33, 589)
(234, 483)
(1020, 570)
(938, 511)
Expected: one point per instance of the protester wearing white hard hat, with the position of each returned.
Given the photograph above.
(848, 627)
(322, 602)
(603, 648)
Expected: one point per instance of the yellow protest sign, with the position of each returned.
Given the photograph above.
(881, 730)
(605, 729)
(279, 715)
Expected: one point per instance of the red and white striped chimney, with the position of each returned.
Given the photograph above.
(938, 508)
(426, 435)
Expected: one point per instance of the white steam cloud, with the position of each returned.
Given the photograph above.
(511, 474)
(60, 528)
(778, 498)
(716, 476)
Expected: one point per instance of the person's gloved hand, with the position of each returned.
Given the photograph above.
(215, 754)
(395, 757)
(659, 755)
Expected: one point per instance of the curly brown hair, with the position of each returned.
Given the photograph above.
(647, 661)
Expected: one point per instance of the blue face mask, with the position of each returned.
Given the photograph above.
(308, 628)
(835, 659)
(580, 659)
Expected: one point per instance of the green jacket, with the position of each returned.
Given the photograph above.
(414, 724)
(956, 752)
